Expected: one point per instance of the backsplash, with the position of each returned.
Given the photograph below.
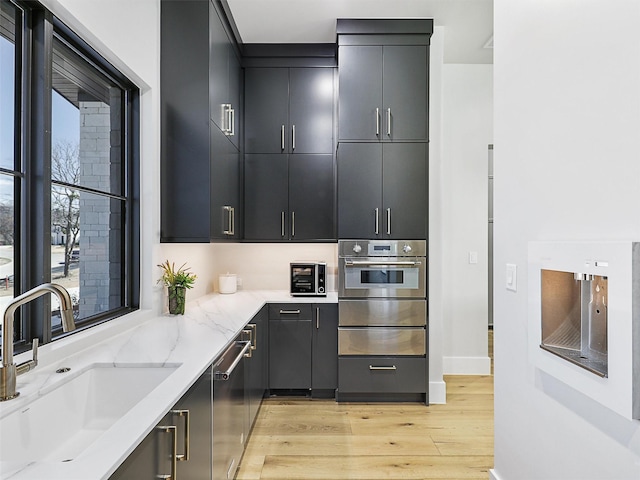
(259, 266)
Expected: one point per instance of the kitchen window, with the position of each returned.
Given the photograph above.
(68, 175)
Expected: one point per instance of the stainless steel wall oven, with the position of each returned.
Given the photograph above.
(382, 334)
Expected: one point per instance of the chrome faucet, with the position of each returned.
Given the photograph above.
(9, 370)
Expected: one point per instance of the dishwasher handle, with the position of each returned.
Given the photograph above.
(228, 371)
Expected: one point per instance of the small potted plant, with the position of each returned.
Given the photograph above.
(177, 282)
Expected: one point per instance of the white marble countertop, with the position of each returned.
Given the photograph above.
(192, 341)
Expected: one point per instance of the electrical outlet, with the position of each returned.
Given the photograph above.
(512, 277)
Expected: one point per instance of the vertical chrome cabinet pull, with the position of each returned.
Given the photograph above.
(293, 137)
(254, 343)
(282, 140)
(229, 210)
(389, 121)
(282, 214)
(317, 318)
(233, 221)
(232, 121)
(377, 223)
(388, 221)
(377, 122)
(249, 331)
(184, 457)
(293, 224)
(172, 429)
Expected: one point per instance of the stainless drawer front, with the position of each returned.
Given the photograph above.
(382, 341)
(383, 313)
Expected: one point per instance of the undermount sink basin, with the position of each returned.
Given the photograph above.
(59, 424)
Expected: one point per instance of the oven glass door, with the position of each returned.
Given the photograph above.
(303, 279)
(382, 278)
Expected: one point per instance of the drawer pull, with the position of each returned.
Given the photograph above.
(289, 312)
(373, 367)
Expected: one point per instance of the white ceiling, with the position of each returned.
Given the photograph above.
(468, 23)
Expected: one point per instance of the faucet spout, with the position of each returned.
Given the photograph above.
(8, 369)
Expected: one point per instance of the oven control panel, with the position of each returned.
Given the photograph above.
(382, 248)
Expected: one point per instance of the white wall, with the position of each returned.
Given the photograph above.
(567, 123)
(467, 130)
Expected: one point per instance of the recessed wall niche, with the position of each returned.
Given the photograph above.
(584, 319)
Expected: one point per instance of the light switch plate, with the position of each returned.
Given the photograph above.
(473, 257)
(512, 277)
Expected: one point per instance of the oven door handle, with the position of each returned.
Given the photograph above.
(362, 263)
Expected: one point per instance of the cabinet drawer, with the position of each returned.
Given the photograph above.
(382, 375)
(290, 311)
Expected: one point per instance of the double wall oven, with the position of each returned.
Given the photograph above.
(382, 335)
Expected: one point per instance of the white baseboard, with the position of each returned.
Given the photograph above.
(437, 392)
(466, 365)
(493, 475)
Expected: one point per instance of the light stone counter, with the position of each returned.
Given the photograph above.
(192, 341)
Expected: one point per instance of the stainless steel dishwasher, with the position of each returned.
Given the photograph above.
(229, 409)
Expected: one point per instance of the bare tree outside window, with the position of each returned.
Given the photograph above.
(65, 201)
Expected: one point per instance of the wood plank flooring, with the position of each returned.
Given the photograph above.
(301, 439)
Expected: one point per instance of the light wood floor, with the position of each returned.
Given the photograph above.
(297, 438)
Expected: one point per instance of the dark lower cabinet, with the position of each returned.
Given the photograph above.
(303, 348)
(190, 423)
(257, 364)
(290, 346)
(324, 349)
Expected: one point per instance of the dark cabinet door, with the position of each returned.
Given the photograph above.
(153, 458)
(257, 364)
(290, 351)
(360, 92)
(311, 197)
(324, 372)
(235, 87)
(218, 69)
(266, 110)
(405, 92)
(226, 215)
(311, 110)
(405, 190)
(194, 410)
(266, 197)
(359, 190)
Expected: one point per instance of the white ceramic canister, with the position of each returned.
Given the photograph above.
(227, 283)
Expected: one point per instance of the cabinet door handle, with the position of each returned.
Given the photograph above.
(289, 312)
(377, 222)
(254, 327)
(293, 137)
(187, 434)
(232, 121)
(377, 121)
(317, 318)
(293, 224)
(282, 139)
(282, 215)
(171, 429)
(230, 213)
(249, 331)
(389, 121)
(373, 367)
(388, 221)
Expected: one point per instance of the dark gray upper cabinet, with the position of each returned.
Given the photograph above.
(382, 190)
(383, 92)
(383, 80)
(289, 110)
(289, 197)
(199, 73)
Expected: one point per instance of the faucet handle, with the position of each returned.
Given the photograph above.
(29, 365)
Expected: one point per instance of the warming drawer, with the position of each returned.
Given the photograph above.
(382, 341)
(382, 375)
